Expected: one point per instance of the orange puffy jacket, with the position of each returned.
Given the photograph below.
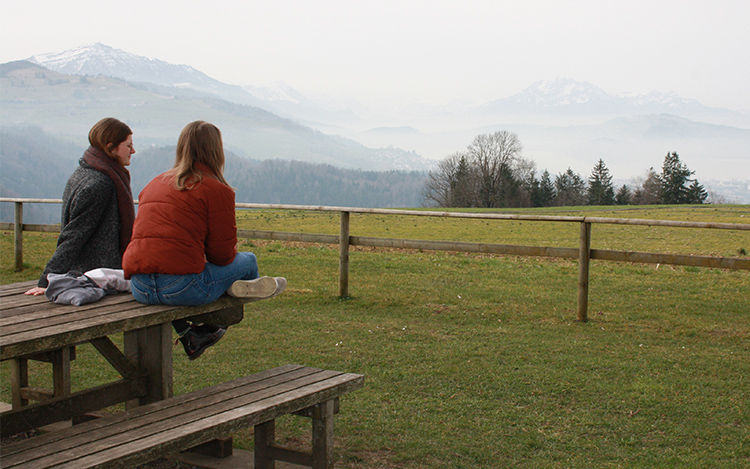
(177, 232)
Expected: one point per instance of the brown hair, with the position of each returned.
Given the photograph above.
(199, 142)
(108, 134)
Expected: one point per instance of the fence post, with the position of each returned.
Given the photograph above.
(344, 256)
(584, 259)
(18, 235)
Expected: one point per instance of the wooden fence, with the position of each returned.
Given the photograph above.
(583, 252)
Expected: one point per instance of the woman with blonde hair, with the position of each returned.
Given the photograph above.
(184, 245)
(97, 210)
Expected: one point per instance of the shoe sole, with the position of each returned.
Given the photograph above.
(262, 287)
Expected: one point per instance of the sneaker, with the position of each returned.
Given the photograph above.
(263, 287)
(280, 285)
(195, 341)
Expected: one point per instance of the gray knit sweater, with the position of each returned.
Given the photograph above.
(90, 226)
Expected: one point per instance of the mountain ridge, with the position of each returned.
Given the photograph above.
(560, 95)
(68, 105)
(561, 123)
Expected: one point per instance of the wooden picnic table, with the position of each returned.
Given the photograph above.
(35, 328)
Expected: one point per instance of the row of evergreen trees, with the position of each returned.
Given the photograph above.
(491, 173)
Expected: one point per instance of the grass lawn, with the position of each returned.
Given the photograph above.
(476, 361)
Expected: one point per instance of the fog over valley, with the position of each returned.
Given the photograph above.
(562, 123)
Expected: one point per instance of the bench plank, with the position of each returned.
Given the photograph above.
(182, 422)
(53, 326)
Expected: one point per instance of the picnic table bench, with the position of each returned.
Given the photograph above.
(155, 424)
(182, 422)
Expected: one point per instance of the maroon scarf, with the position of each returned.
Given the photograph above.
(103, 163)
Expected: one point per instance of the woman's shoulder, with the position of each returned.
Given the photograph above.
(218, 188)
(86, 178)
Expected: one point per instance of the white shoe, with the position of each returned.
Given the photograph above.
(262, 287)
(280, 285)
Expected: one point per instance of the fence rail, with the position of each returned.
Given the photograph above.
(583, 252)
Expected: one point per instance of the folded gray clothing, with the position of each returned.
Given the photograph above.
(73, 288)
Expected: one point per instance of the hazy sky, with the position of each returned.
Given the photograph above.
(414, 50)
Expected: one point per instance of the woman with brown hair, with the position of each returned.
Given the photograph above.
(97, 211)
(184, 246)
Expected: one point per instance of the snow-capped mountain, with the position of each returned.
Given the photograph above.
(565, 95)
(100, 59)
(559, 92)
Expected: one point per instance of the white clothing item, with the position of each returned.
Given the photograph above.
(109, 279)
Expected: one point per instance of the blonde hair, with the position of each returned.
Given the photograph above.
(108, 134)
(199, 142)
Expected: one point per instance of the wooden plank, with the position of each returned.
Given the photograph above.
(29, 393)
(584, 262)
(154, 354)
(230, 422)
(66, 407)
(264, 436)
(39, 308)
(189, 433)
(61, 383)
(99, 430)
(223, 317)
(673, 259)
(18, 236)
(115, 357)
(100, 321)
(506, 249)
(138, 439)
(16, 288)
(344, 255)
(287, 371)
(322, 433)
(19, 379)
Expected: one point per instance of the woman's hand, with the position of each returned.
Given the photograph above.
(36, 291)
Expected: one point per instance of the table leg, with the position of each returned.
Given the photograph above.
(61, 371)
(150, 350)
(19, 379)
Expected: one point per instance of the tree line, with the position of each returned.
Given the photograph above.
(37, 165)
(492, 173)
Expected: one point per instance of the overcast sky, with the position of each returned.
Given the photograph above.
(413, 50)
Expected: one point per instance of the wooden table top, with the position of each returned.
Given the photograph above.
(33, 324)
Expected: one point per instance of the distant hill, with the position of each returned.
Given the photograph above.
(34, 164)
(68, 105)
(561, 122)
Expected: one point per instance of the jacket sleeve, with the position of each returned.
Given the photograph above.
(221, 238)
(87, 209)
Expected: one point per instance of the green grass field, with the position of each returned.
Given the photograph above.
(476, 361)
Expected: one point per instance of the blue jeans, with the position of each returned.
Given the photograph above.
(194, 289)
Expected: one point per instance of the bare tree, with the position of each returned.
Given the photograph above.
(494, 156)
(648, 189)
(449, 178)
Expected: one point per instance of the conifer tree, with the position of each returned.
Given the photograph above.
(674, 180)
(623, 196)
(548, 189)
(600, 190)
(570, 189)
(696, 194)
